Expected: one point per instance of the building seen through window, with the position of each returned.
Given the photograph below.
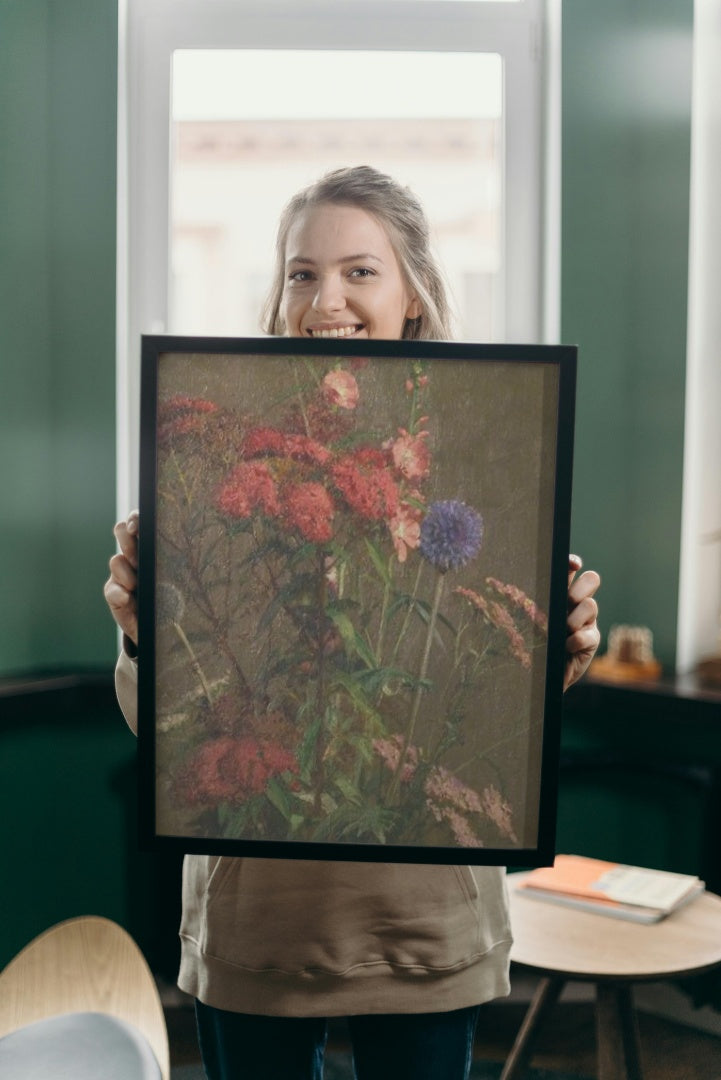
(231, 175)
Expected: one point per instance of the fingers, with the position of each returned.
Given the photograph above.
(583, 587)
(583, 636)
(582, 613)
(575, 563)
(123, 607)
(126, 534)
(584, 641)
(121, 587)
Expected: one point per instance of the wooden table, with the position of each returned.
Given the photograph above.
(563, 944)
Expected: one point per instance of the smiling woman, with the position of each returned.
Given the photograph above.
(336, 294)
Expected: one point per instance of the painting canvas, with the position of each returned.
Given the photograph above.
(353, 574)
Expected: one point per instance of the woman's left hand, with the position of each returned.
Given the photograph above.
(583, 636)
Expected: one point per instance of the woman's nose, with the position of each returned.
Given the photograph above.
(329, 296)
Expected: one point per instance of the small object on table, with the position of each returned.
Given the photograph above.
(709, 671)
(616, 889)
(629, 657)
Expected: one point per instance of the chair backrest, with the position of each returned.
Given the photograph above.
(87, 964)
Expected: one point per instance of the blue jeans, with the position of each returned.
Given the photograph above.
(416, 1046)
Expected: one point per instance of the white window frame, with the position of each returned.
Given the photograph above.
(526, 34)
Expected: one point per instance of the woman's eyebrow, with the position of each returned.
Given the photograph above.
(361, 257)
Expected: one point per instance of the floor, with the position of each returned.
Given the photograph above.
(669, 1050)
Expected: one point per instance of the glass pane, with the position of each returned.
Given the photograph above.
(432, 120)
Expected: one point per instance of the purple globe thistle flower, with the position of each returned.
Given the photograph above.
(451, 534)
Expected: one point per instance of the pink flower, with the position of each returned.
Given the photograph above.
(520, 600)
(445, 788)
(390, 751)
(498, 810)
(405, 530)
(308, 508)
(341, 389)
(249, 487)
(411, 455)
(499, 617)
(459, 825)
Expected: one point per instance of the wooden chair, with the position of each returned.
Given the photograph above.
(89, 971)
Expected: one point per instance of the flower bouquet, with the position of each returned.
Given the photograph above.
(342, 662)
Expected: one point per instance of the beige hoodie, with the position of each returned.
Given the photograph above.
(286, 937)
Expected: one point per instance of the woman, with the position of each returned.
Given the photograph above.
(271, 948)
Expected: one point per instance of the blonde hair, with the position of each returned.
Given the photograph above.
(403, 217)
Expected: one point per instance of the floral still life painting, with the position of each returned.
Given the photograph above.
(351, 584)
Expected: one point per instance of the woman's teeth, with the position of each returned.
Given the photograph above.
(337, 331)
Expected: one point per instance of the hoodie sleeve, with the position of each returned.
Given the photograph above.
(126, 688)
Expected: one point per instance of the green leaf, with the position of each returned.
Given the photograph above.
(351, 638)
(306, 750)
(278, 797)
(379, 562)
(348, 790)
(300, 587)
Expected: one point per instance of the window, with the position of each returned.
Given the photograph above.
(236, 160)
(227, 107)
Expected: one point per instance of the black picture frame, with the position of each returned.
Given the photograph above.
(353, 573)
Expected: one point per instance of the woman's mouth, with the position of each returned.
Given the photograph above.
(334, 331)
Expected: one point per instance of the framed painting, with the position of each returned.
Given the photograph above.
(352, 597)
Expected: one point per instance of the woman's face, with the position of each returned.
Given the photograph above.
(342, 277)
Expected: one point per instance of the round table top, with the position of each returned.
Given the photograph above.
(559, 940)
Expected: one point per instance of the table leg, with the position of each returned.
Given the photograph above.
(545, 997)
(617, 1033)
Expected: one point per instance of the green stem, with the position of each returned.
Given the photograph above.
(384, 610)
(320, 746)
(408, 614)
(419, 690)
(181, 477)
(194, 660)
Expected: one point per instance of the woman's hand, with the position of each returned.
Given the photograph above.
(583, 635)
(121, 587)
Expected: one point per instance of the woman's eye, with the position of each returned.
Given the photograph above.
(300, 276)
(362, 272)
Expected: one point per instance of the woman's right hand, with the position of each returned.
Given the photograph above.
(121, 587)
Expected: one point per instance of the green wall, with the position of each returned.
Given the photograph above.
(58, 73)
(626, 138)
(626, 146)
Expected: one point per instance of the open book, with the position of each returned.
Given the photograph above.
(608, 888)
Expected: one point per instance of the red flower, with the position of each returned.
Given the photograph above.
(249, 487)
(265, 440)
(309, 508)
(184, 403)
(366, 486)
(183, 415)
(233, 770)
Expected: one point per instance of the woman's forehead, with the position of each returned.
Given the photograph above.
(326, 230)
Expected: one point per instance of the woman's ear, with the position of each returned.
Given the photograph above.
(415, 309)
